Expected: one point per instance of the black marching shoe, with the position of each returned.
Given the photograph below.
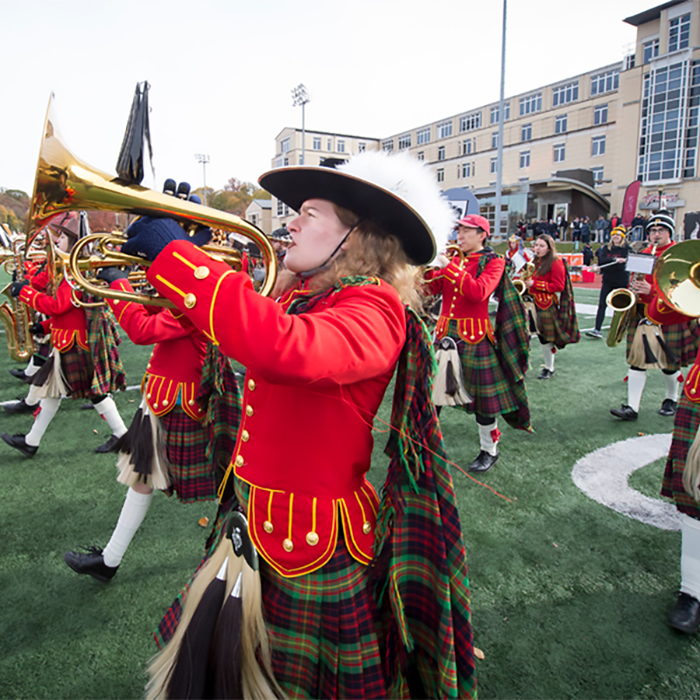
(107, 446)
(19, 443)
(546, 373)
(625, 412)
(483, 462)
(20, 406)
(685, 615)
(18, 374)
(668, 407)
(91, 563)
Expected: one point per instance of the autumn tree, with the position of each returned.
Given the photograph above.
(234, 197)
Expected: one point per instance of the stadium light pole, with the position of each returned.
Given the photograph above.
(301, 97)
(203, 159)
(501, 119)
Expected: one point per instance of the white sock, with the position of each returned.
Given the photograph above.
(636, 379)
(32, 368)
(133, 512)
(672, 383)
(49, 407)
(488, 437)
(32, 399)
(108, 410)
(548, 354)
(690, 556)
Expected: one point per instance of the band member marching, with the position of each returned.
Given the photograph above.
(318, 364)
(516, 256)
(84, 362)
(493, 366)
(658, 337)
(553, 303)
(166, 445)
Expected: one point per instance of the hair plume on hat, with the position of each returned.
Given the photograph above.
(408, 179)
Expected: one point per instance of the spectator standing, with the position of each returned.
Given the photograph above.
(585, 231)
(599, 229)
(576, 232)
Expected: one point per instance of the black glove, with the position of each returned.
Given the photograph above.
(37, 328)
(16, 287)
(149, 235)
(111, 274)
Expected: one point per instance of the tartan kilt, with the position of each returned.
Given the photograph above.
(685, 427)
(485, 381)
(323, 626)
(193, 476)
(548, 326)
(76, 365)
(681, 338)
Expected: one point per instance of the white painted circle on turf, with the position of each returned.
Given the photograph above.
(603, 476)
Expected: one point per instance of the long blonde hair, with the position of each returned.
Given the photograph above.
(369, 252)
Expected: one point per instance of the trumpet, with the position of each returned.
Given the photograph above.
(65, 183)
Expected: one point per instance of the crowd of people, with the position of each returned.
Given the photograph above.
(582, 230)
(345, 592)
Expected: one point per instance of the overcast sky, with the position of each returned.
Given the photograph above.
(222, 71)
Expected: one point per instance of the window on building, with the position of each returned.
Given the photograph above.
(679, 33)
(361, 147)
(597, 175)
(420, 155)
(388, 145)
(328, 145)
(564, 94)
(530, 104)
(285, 145)
(494, 165)
(668, 143)
(254, 219)
(559, 152)
(524, 159)
(495, 112)
(466, 169)
(605, 82)
(526, 132)
(317, 143)
(404, 142)
(340, 143)
(444, 130)
(423, 136)
(560, 124)
(468, 146)
(650, 50)
(598, 145)
(629, 61)
(600, 114)
(282, 209)
(468, 122)
(285, 161)
(494, 139)
(441, 174)
(441, 153)
(279, 162)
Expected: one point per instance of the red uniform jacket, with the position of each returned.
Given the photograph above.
(545, 288)
(68, 324)
(691, 387)
(313, 385)
(465, 297)
(174, 370)
(655, 309)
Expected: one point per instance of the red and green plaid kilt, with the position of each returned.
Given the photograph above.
(548, 326)
(192, 474)
(681, 338)
(685, 427)
(77, 369)
(493, 394)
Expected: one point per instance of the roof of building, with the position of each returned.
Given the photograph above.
(652, 14)
(311, 132)
(263, 203)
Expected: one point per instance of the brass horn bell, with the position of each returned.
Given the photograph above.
(64, 183)
(677, 277)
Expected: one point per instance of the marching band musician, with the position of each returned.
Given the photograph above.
(166, 445)
(658, 336)
(516, 256)
(493, 369)
(75, 368)
(553, 298)
(318, 364)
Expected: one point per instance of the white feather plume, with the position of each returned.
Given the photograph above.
(407, 178)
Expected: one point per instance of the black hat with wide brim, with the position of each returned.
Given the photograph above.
(293, 185)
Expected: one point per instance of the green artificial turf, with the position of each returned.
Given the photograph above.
(569, 597)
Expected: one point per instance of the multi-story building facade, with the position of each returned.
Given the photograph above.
(569, 148)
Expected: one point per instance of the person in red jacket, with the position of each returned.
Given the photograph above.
(493, 371)
(552, 295)
(169, 411)
(658, 336)
(70, 371)
(318, 364)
